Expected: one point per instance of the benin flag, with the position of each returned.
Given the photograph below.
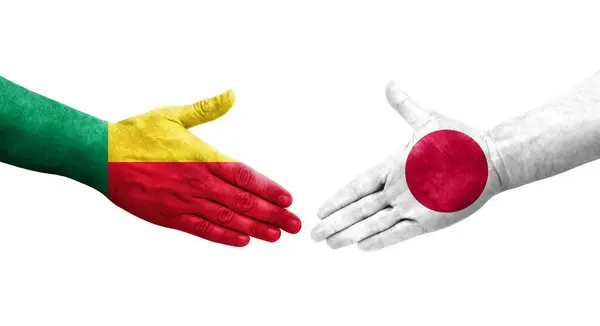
(161, 172)
(150, 165)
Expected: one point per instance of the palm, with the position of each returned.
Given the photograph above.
(442, 175)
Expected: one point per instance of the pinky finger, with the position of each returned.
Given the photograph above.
(200, 227)
(401, 231)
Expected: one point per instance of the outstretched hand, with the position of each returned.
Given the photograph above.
(442, 175)
(162, 173)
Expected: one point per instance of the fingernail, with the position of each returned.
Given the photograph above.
(229, 96)
(395, 94)
(293, 226)
(273, 234)
(337, 244)
(242, 240)
(284, 200)
(318, 234)
(217, 101)
(371, 247)
(321, 212)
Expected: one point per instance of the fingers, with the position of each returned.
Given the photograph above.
(205, 110)
(401, 231)
(252, 206)
(380, 221)
(348, 216)
(407, 108)
(243, 176)
(208, 230)
(363, 185)
(228, 218)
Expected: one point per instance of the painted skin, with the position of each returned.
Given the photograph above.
(441, 176)
(398, 200)
(164, 174)
(150, 165)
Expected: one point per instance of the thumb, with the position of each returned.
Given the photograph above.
(206, 110)
(408, 109)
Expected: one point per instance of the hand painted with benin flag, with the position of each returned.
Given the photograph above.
(150, 165)
(442, 175)
(162, 173)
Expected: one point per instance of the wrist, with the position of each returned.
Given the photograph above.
(497, 166)
(88, 157)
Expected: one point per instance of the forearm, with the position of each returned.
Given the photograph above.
(40, 134)
(551, 139)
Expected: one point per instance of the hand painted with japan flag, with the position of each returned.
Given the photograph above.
(442, 175)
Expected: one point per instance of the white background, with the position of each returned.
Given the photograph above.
(310, 113)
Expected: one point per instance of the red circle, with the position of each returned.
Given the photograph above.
(446, 171)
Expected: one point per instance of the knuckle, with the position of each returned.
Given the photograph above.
(372, 228)
(364, 210)
(203, 185)
(203, 227)
(258, 229)
(156, 114)
(180, 196)
(381, 198)
(165, 217)
(200, 108)
(273, 215)
(243, 176)
(243, 201)
(269, 190)
(388, 196)
(353, 215)
(357, 189)
(224, 215)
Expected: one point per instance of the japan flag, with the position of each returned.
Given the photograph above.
(444, 173)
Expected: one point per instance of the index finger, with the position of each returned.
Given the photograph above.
(363, 185)
(243, 176)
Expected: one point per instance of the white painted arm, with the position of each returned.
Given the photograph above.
(553, 138)
(448, 170)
